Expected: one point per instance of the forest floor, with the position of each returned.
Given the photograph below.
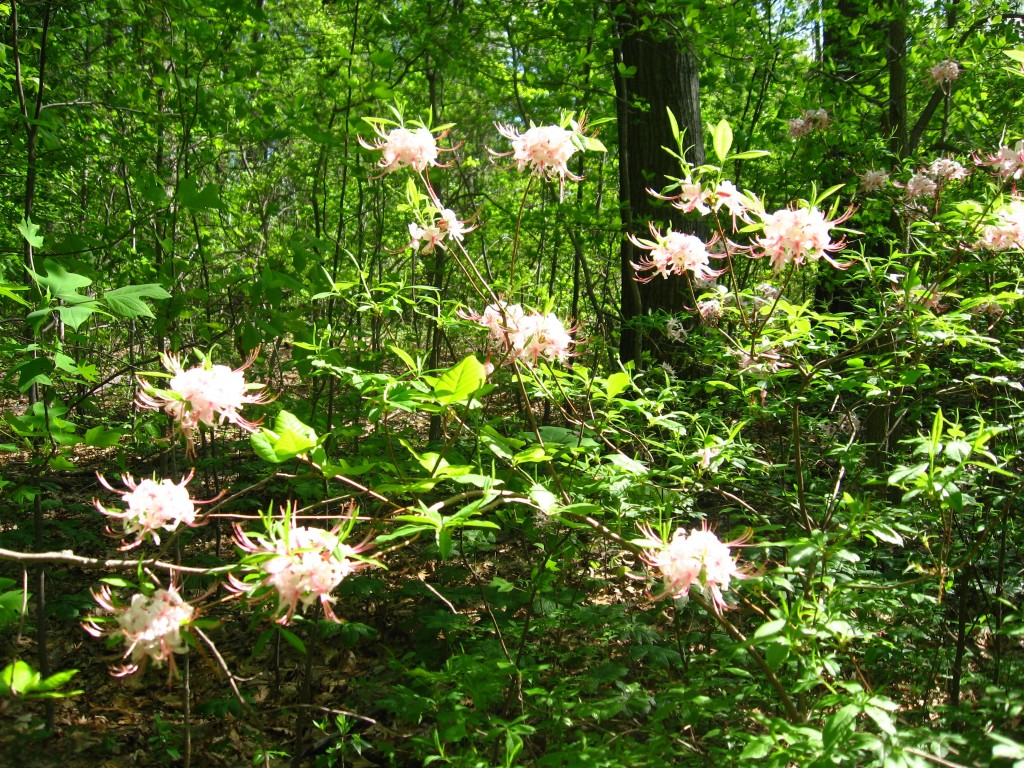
(139, 720)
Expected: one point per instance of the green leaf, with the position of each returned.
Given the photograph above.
(128, 301)
(101, 437)
(750, 154)
(289, 422)
(722, 140)
(616, 384)
(460, 383)
(626, 464)
(30, 232)
(543, 498)
(801, 552)
(1007, 748)
(444, 543)
(262, 443)
(887, 534)
(290, 438)
(293, 640)
(881, 718)
(11, 603)
(18, 678)
(35, 370)
(760, 746)
(903, 474)
(61, 283)
(8, 290)
(770, 629)
(673, 125)
(196, 199)
(117, 581)
(958, 450)
(78, 314)
(57, 680)
(405, 357)
(839, 726)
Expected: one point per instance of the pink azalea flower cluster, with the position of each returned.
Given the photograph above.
(152, 506)
(944, 169)
(813, 120)
(1007, 234)
(447, 225)
(306, 564)
(206, 394)
(695, 559)
(926, 183)
(1007, 162)
(921, 185)
(944, 72)
(674, 329)
(873, 180)
(674, 253)
(544, 150)
(150, 625)
(797, 235)
(693, 197)
(763, 362)
(404, 148)
(530, 337)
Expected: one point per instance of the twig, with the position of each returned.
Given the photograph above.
(97, 563)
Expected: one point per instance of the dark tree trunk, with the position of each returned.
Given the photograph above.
(665, 77)
(897, 59)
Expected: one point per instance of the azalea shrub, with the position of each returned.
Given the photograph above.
(787, 536)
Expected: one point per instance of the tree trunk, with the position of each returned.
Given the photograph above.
(653, 75)
(897, 60)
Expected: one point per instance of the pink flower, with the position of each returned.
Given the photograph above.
(873, 181)
(813, 120)
(541, 337)
(433, 235)
(401, 148)
(710, 310)
(762, 363)
(152, 505)
(818, 118)
(727, 195)
(674, 330)
(674, 253)
(920, 185)
(798, 127)
(1007, 163)
(1007, 233)
(305, 565)
(501, 319)
(944, 169)
(150, 625)
(206, 394)
(797, 235)
(944, 72)
(545, 149)
(691, 198)
(707, 455)
(695, 559)
(530, 337)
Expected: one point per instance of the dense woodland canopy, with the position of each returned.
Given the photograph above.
(494, 384)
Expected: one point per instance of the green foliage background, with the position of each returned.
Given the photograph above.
(188, 175)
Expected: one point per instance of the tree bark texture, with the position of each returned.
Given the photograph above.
(665, 77)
